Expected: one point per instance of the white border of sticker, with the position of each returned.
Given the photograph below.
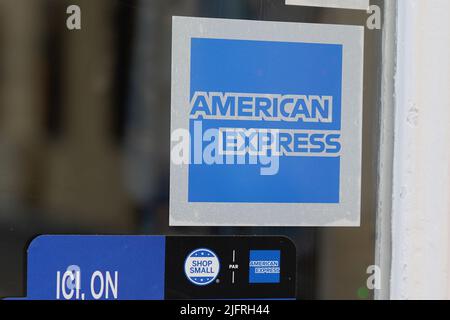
(347, 212)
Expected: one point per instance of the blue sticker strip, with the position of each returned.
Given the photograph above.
(73, 267)
(96, 267)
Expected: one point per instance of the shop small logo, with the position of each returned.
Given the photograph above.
(202, 266)
(264, 266)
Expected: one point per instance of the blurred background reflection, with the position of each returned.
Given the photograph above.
(84, 132)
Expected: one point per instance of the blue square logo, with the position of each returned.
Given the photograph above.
(264, 266)
(244, 89)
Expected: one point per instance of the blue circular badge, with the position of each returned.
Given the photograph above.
(201, 266)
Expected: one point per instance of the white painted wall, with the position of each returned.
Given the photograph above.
(421, 175)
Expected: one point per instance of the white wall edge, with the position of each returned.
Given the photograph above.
(383, 249)
(421, 175)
